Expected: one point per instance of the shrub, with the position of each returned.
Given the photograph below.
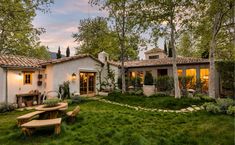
(64, 90)
(231, 110)
(148, 78)
(5, 108)
(165, 84)
(203, 97)
(51, 102)
(115, 94)
(211, 107)
(139, 92)
(224, 104)
(76, 99)
(159, 95)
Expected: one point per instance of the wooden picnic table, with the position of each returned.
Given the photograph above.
(52, 111)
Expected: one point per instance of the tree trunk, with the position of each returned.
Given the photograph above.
(211, 55)
(175, 74)
(123, 34)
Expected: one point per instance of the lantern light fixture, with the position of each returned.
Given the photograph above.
(74, 76)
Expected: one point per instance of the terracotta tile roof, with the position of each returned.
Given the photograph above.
(65, 59)
(154, 50)
(161, 62)
(14, 61)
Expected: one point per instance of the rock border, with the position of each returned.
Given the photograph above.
(193, 108)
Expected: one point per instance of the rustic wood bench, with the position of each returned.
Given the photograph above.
(27, 117)
(28, 127)
(72, 114)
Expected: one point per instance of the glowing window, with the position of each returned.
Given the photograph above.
(141, 75)
(27, 78)
(132, 74)
(192, 73)
(180, 72)
(204, 74)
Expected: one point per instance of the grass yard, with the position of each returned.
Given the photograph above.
(106, 124)
(156, 101)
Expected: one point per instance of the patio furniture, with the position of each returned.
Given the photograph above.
(29, 127)
(27, 117)
(52, 111)
(72, 114)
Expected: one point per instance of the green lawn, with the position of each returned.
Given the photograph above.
(159, 102)
(106, 124)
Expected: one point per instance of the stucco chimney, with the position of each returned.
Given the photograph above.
(103, 56)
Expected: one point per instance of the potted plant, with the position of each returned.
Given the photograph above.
(148, 88)
(51, 102)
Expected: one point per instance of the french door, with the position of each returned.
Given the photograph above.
(87, 83)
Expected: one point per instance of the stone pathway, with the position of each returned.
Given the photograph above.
(193, 108)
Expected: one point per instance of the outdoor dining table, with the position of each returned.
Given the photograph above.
(52, 111)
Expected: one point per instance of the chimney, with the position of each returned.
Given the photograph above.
(103, 56)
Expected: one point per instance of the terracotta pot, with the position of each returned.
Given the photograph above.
(148, 90)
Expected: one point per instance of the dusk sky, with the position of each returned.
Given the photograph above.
(63, 20)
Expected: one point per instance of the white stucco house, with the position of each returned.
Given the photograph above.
(20, 75)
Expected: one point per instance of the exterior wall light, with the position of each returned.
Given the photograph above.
(20, 76)
(74, 76)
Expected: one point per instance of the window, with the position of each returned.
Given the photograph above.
(180, 72)
(154, 57)
(132, 75)
(192, 73)
(140, 74)
(204, 76)
(27, 78)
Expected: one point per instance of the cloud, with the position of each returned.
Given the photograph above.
(82, 6)
(63, 21)
(60, 34)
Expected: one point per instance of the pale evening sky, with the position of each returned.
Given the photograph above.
(63, 21)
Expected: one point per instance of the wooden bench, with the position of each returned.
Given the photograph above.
(72, 114)
(27, 117)
(28, 127)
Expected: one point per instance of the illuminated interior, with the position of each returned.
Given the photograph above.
(87, 83)
(132, 75)
(204, 76)
(180, 72)
(141, 75)
(192, 73)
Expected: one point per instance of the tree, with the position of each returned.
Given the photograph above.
(202, 29)
(169, 49)
(67, 52)
(119, 13)
(94, 35)
(164, 18)
(185, 47)
(58, 55)
(219, 19)
(165, 47)
(17, 34)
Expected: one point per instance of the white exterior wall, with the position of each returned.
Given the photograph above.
(2, 85)
(16, 86)
(61, 72)
(116, 72)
